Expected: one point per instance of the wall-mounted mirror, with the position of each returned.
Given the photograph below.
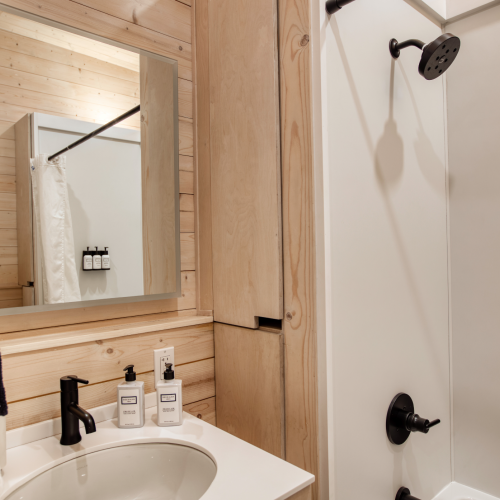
(100, 221)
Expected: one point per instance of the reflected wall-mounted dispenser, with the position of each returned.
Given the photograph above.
(333, 6)
(96, 260)
(402, 420)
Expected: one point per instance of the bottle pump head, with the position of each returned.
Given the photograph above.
(168, 374)
(130, 376)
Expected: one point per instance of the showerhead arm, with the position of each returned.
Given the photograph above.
(395, 47)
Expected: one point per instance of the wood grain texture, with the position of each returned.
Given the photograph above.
(51, 338)
(8, 274)
(8, 255)
(305, 494)
(28, 297)
(187, 252)
(203, 222)
(298, 237)
(149, 14)
(47, 319)
(186, 182)
(187, 223)
(8, 220)
(24, 204)
(245, 162)
(197, 380)
(107, 26)
(159, 189)
(186, 203)
(205, 410)
(11, 294)
(249, 386)
(101, 360)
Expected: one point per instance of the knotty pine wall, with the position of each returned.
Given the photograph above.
(47, 70)
(51, 71)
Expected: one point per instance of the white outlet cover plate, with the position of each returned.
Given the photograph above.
(162, 356)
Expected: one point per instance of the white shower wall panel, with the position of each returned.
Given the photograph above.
(385, 229)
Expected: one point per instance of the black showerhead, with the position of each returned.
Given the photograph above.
(437, 56)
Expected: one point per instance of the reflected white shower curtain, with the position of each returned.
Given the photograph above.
(54, 230)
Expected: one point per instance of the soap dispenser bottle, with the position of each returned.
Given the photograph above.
(169, 394)
(131, 410)
(97, 259)
(106, 260)
(87, 260)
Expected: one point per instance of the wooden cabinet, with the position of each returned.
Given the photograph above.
(245, 161)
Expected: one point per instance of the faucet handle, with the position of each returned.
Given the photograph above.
(76, 379)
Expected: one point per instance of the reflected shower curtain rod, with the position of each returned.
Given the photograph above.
(98, 131)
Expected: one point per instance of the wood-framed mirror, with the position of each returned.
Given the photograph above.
(118, 191)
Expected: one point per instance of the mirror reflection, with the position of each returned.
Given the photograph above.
(89, 189)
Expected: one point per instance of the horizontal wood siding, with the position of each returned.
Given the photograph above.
(34, 399)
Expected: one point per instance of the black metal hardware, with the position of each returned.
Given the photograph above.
(402, 420)
(98, 131)
(333, 6)
(404, 494)
(71, 413)
(437, 56)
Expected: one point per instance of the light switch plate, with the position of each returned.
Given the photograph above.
(162, 356)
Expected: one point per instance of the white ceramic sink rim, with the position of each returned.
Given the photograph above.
(243, 471)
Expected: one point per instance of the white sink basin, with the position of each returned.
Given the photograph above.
(134, 472)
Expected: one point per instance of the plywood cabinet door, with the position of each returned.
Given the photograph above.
(245, 158)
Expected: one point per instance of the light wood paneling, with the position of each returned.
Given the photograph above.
(99, 23)
(187, 222)
(298, 237)
(8, 255)
(186, 203)
(186, 136)
(8, 237)
(5, 304)
(249, 386)
(305, 494)
(25, 322)
(108, 357)
(8, 220)
(203, 231)
(23, 199)
(245, 162)
(11, 293)
(8, 274)
(187, 252)
(8, 202)
(204, 410)
(186, 163)
(150, 14)
(197, 379)
(185, 182)
(28, 296)
(158, 177)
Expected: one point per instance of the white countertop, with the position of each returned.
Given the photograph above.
(244, 472)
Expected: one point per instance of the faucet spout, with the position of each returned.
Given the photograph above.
(84, 416)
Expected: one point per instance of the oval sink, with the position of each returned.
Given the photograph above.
(132, 472)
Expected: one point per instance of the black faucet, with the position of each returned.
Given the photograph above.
(405, 494)
(71, 413)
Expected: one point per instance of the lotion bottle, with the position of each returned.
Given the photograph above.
(131, 410)
(106, 260)
(169, 394)
(97, 259)
(87, 260)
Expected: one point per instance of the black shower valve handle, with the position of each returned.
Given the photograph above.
(79, 380)
(415, 423)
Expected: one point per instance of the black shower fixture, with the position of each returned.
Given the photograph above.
(405, 494)
(437, 56)
(333, 6)
(402, 420)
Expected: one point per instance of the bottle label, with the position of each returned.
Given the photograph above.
(168, 406)
(105, 262)
(97, 262)
(87, 262)
(129, 411)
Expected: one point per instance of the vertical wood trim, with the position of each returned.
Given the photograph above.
(202, 184)
(159, 193)
(23, 202)
(28, 296)
(298, 237)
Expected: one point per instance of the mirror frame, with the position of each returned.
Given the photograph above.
(18, 311)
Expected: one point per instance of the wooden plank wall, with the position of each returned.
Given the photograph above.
(32, 378)
(52, 71)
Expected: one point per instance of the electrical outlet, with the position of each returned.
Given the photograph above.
(162, 356)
